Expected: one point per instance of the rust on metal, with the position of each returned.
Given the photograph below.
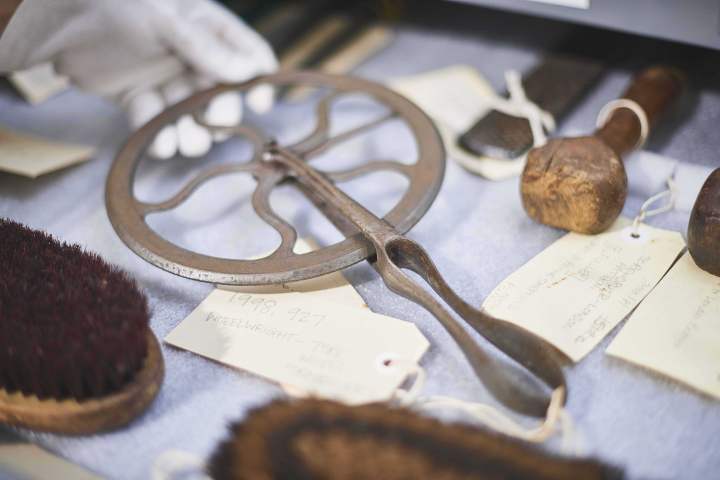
(380, 240)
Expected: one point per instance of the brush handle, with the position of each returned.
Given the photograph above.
(654, 90)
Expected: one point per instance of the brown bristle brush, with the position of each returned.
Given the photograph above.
(77, 355)
(318, 439)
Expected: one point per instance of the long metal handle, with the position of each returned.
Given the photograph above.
(394, 253)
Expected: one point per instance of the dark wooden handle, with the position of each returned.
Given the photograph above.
(703, 232)
(654, 89)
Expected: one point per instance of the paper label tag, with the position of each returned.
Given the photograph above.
(455, 98)
(575, 291)
(319, 347)
(676, 329)
(332, 287)
(32, 156)
(39, 83)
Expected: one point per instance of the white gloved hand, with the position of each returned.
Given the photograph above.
(145, 55)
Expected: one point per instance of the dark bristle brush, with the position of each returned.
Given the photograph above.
(320, 439)
(77, 355)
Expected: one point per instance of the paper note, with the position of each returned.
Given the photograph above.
(332, 287)
(30, 462)
(33, 156)
(322, 348)
(676, 329)
(575, 291)
(38, 83)
(455, 98)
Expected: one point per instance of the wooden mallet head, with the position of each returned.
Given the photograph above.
(703, 233)
(580, 184)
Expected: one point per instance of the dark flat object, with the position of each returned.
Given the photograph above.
(704, 227)
(555, 86)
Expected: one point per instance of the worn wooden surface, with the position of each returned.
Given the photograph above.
(580, 184)
(703, 235)
(71, 417)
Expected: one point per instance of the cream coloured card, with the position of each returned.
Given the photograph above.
(676, 329)
(575, 291)
(332, 287)
(455, 98)
(32, 156)
(39, 83)
(319, 347)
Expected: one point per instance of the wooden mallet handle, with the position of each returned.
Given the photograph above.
(654, 90)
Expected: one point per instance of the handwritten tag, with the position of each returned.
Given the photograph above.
(321, 348)
(676, 329)
(33, 156)
(455, 98)
(332, 287)
(575, 291)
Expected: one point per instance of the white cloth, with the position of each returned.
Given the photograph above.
(144, 54)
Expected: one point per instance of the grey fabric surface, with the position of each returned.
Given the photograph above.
(476, 231)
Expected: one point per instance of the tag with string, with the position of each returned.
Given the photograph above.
(455, 97)
(578, 289)
(307, 342)
(517, 105)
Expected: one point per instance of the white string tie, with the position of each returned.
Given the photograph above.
(495, 419)
(518, 105)
(646, 212)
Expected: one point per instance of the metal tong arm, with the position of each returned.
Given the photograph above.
(394, 253)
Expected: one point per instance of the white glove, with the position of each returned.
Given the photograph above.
(145, 55)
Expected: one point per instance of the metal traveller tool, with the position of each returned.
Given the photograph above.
(379, 240)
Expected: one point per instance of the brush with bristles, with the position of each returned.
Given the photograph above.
(76, 351)
(320, 439)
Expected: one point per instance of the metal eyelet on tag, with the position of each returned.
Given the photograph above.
(636, 235)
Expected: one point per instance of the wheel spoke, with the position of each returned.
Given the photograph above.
(370, 167)
(321, 132)
(257, 137)
(344, 136)
(194, 184)
(261, 204)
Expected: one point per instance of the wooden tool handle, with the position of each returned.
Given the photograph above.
(654, 90)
